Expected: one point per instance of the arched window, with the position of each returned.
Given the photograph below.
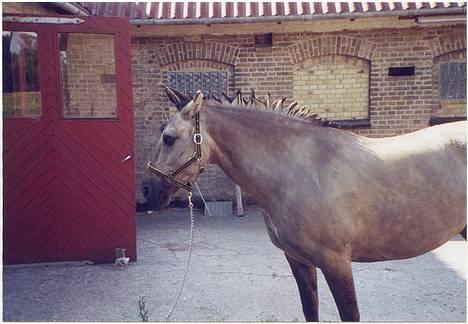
(335, 86)
(449, 87)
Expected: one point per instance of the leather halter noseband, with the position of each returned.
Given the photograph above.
(197, 156)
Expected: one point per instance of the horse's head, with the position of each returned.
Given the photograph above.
(177, 160)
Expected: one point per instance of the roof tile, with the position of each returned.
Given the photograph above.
(222, 9)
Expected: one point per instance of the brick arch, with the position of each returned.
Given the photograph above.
(331, 45)
(174, 53)
(447, 43)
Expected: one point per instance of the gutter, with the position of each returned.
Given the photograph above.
(69, 8)
(412, 13)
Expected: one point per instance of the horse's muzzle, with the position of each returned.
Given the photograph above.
(157, 194)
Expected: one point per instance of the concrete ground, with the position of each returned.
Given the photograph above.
(236, 275)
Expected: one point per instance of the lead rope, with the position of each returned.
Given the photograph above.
(192, 227)
(189, 257)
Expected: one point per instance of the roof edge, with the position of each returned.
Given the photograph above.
(351, 15)
(72, 8)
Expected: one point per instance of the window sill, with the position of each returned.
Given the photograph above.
(352, 123)
(435, 120)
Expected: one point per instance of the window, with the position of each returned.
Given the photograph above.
(449, 87)
(401, 71)
(452, 80)
(21, 90)
(211, 83)
(88, 75)
(335, 86)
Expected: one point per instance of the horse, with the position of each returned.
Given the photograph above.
(329, 196)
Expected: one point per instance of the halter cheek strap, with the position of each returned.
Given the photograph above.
(197, 156)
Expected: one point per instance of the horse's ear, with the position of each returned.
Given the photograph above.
(194, 106)
(178, 99)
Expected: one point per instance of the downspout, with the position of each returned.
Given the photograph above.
(351, 15)
(69, 8)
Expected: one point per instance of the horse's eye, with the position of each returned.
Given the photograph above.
(168, 140)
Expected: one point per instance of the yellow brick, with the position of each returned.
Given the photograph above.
(337, 85)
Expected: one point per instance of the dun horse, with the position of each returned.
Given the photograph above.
(330, 197)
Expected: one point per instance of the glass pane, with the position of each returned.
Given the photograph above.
(88, 75)
(21, 92)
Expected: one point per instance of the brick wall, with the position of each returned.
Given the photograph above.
(394, 104)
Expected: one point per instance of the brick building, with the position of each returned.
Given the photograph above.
(379, 69)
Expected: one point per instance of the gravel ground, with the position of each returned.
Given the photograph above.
(236, 275)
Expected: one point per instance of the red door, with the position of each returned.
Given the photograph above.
(68, 181)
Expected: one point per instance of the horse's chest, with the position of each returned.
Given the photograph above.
(272, 230)
(288, 241)
(294, 241)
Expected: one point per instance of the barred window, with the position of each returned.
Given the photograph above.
(452, 80)
(211, 83)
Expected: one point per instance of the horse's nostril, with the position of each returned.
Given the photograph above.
(146, 191)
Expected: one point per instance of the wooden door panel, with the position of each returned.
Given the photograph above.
(67, 194)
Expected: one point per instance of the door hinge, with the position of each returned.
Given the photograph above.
(43, 20)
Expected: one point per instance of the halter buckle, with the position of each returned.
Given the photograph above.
(197, 138)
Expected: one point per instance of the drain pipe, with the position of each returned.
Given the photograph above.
(69, 8)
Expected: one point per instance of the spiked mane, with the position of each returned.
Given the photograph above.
(293, 110)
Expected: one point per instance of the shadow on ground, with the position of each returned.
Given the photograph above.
(236, 275)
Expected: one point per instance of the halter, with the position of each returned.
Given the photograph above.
(197, 156)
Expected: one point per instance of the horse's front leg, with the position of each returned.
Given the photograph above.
(339, 276)
(306, 278)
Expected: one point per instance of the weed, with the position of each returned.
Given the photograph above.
(142, 307)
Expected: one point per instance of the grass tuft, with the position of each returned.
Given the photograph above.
(142, 309)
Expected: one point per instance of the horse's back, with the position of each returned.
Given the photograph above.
(427, 140)
(416, 193)
(450, 133)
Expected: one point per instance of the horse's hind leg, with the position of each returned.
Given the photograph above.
(339, 277)
(306, 278)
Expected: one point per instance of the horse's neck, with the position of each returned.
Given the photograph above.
(251, 148)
